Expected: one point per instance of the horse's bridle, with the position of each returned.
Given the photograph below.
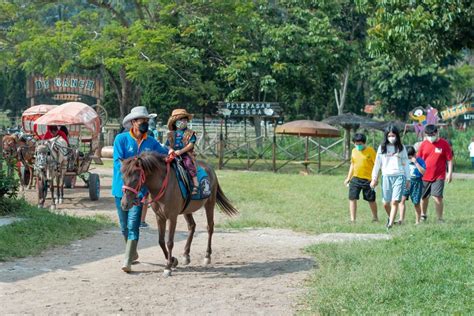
(142, 179)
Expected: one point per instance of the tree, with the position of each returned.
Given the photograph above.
(411, 43)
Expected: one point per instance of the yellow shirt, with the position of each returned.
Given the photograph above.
(363, 162)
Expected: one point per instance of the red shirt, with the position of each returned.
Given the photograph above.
(436, 155)
(49, 135)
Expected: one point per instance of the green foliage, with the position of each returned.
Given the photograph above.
(168, 54)
(8, 183)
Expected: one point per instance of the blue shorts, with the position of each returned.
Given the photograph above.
(392, 188)
(415, 190)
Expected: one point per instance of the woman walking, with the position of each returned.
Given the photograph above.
(392, 160)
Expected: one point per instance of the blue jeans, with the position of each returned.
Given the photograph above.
(130, 220)
(472, 162)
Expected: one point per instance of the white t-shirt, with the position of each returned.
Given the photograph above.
(471, 149)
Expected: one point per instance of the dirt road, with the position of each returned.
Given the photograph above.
(254, 271)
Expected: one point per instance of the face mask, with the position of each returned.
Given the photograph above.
(143, 127)
(360, 147)
(181, 124)
(392, 140)
(432, 139)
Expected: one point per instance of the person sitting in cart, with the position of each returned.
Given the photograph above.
(53, 131)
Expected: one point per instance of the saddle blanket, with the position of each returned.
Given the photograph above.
(204, 184)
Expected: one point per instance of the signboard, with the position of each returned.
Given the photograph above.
(65, 84)
(250, 109)
(467, 117)
(457, 110)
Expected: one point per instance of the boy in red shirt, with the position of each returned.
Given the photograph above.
(437, 153)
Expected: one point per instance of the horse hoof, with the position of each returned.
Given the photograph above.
(186, 260)
(175, 263)
(60, 201)
(206, 261)
(167, 273)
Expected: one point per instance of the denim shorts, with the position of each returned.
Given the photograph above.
(393, 188)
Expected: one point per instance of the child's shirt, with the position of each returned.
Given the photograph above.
(179, 142)
(363, 161)
(414, 172)
(392, 163)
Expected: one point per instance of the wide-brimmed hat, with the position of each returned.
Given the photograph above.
(136, 113)
(176, 115)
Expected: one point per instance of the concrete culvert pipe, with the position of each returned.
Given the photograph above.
(107, 152)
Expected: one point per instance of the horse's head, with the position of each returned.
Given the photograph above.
(133, 176)
(9, 146)
(41, 156)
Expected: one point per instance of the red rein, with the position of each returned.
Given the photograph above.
(142, 180)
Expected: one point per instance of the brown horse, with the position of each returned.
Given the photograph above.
(154, 171)
(19, 148)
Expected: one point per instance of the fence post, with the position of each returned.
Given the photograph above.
(274, 147)
(1, 151)
(319, 155)
(221, 149)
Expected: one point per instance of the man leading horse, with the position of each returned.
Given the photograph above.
(130, 143)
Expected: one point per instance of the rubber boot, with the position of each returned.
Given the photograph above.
(130, 249)
(135, 255)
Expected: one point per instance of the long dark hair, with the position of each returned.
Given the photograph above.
(398, 143)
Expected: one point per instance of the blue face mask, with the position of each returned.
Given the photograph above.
(360, 147)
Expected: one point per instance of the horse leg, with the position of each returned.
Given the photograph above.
(172, 262)
(53, 201)
(30, 181)
(209, 206)
(61, 186)
(191, 229)
(40, 189)
(161, 222)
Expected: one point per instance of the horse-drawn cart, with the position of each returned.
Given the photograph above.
(81, 123)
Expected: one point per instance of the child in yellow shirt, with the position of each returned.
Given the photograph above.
(359, 176)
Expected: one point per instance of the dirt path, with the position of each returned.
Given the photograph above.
(254, 271)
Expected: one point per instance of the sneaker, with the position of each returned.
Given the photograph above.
(375, 220)
(440, 221)
(424, 217)
(144, 225)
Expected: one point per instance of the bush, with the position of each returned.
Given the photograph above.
(8, 184)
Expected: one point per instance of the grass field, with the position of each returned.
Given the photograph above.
(40, 229)
(422, 270)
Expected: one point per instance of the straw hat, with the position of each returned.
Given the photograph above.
(176, 115)
(136, 113)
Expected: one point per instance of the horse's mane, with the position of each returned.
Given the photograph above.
(150, 162)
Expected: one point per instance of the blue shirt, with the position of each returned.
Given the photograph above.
(178, 139)
(126, 146)
(414, 172)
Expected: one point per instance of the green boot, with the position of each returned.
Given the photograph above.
(130, 250)
(135, 255)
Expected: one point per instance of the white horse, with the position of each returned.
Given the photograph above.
(50, 166)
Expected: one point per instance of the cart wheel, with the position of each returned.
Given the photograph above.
(69, 182)
(94, 186)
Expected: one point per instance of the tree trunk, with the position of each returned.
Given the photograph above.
(341, 95)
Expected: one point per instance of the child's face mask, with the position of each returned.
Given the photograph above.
(180, 124)
(360, 147)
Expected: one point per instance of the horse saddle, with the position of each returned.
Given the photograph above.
(186, 184)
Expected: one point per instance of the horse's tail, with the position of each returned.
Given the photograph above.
(224, 203)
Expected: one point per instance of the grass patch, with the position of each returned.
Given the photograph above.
(41, 229)
(422, 270)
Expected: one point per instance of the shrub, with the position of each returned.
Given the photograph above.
(8, 183)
